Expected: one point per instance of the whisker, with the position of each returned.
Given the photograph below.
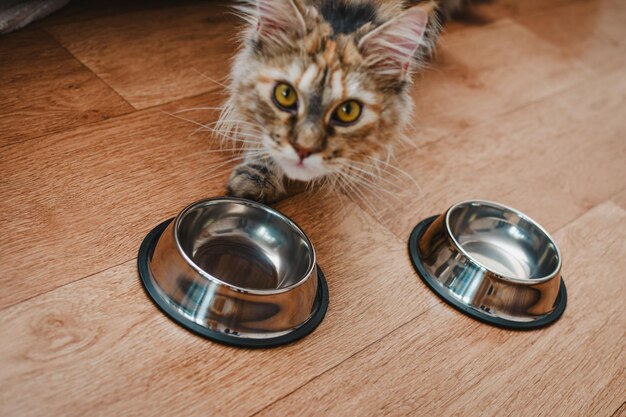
(404, 139)
(233, 139)
(233, 150)
(203, 126)
(370, 190)
(197, 108)
(249, 135)
(211, 79)
(332, 184)
(371, 174)
(400, 171)
(357, 193)
(343, 186)
(243, 122)
(219, 174)
(375, 187)
(380, 176)
(248, 157)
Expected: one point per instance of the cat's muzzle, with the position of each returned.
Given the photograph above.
(491, 262)
(235, 271)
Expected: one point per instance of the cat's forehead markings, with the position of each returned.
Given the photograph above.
(354, 87)
(330, 53)
(262, 79)
(294, 71)
(337, 84)
(289, 73)
(344, 88)
(308, 77)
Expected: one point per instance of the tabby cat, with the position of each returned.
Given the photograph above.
(321, 89)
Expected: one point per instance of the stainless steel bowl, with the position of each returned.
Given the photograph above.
(491, 262)
(235, 271)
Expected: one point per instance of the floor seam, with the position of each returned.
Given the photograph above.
(96, 122)
(411, 320)
(467, 128)
(63, 285)
(89, 69)
(135, 108)
(605, 201)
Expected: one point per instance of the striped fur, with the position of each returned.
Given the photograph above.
(329, 51)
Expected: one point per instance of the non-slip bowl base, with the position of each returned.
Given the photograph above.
(441, 291)
(145, 253)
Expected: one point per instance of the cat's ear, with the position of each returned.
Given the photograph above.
(277, 19)
(390, 48)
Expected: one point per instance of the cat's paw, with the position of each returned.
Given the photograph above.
(255, 182)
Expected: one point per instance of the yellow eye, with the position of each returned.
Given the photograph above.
(285, 97)
(347, 112)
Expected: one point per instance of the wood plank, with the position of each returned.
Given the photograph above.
(553, 159)
(45, 89)
(520, 110)
(620, 412)
(482, 72)
(443, 363)
(75, 203)
(590, 31)
(511, 8)
(99, 346)
(151, 58)
(84, 10)
(620, 199)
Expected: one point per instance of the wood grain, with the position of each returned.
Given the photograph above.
(553, 159)
(485, 71)
(446, 364)
(98, 346)
(76, 203)
(84, 10)
(589, 31)
(45, 89)
(518, 109)
(620, 199)
(151, 58)
(621, 412)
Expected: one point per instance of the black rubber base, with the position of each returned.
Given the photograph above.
(437, 288)
(145, 254)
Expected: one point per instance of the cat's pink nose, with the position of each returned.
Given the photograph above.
(302, 152)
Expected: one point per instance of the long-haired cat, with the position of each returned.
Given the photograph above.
(320, 88)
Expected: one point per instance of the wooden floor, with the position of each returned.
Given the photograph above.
(525, 105)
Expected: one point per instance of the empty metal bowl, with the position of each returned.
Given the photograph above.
(235, 271)
(491, 262)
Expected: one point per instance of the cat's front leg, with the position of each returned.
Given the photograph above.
(258, 180)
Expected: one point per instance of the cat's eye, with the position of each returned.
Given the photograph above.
(285, 97)
(347, 112)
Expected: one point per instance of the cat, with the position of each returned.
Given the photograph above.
(320, 89)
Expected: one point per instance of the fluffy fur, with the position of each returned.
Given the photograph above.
(329, 52)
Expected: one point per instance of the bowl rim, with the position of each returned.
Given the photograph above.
(216, 200)
(163, 303)
(445, 294)
(525, 281)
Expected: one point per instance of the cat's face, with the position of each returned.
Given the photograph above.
(323, 102)
(320, 112)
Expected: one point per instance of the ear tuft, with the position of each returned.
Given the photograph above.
(390, 48)
(277, 18)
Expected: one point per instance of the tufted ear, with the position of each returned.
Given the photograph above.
(279, 18)
(390, 48)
